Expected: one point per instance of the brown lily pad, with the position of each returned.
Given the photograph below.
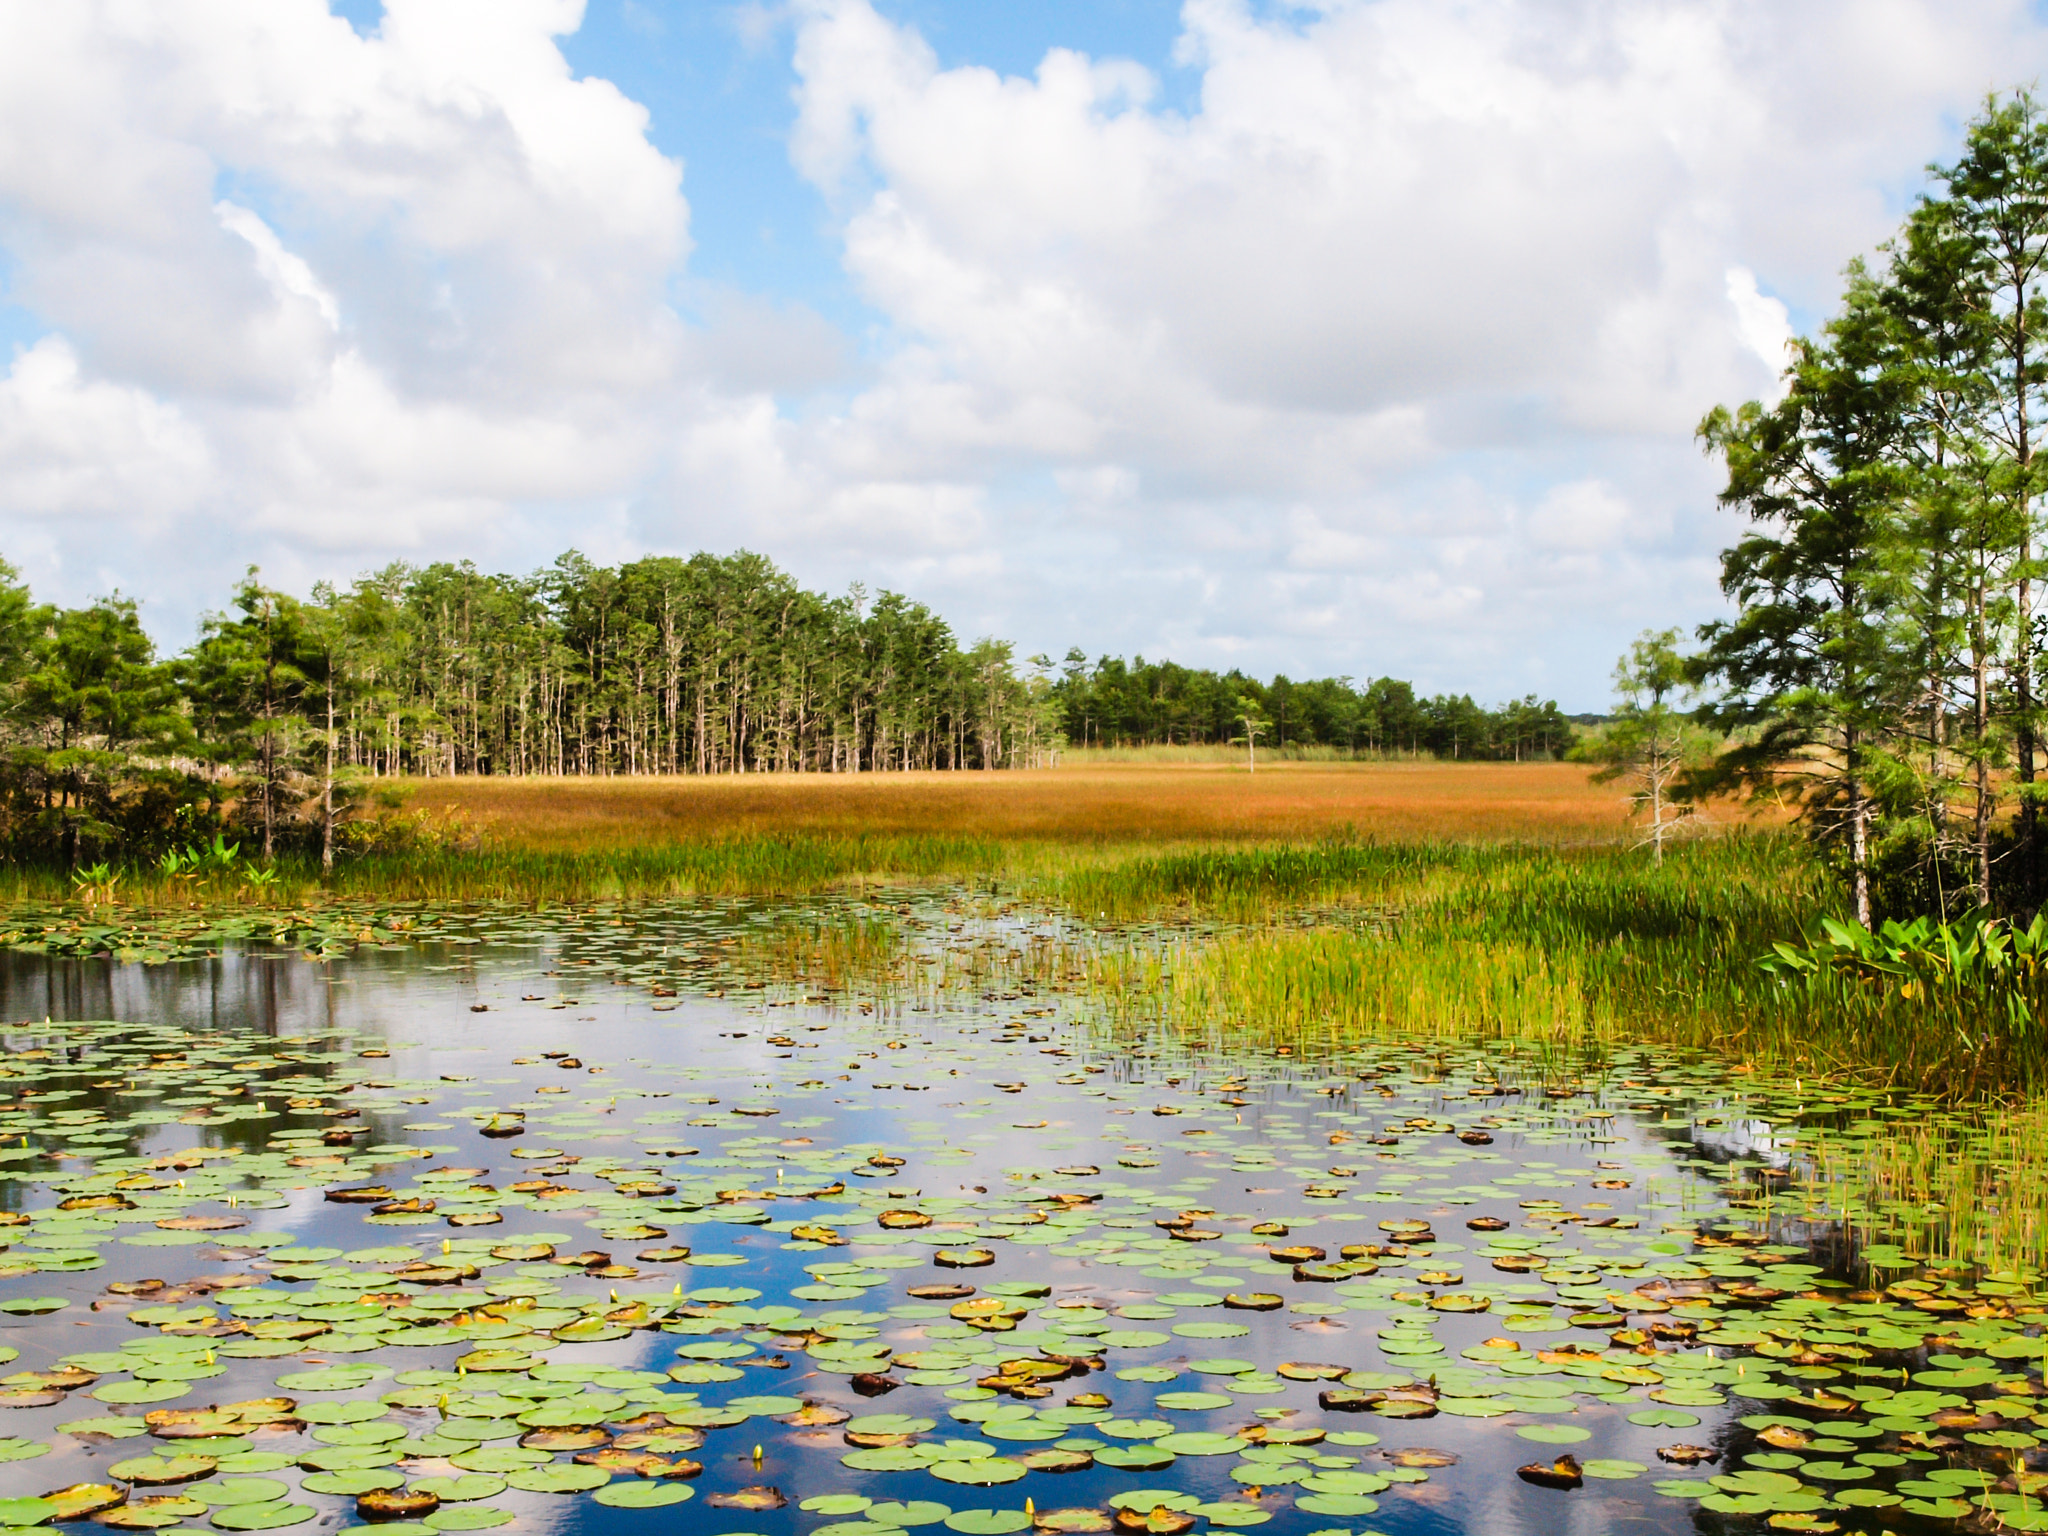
(68, 1378)
(1564, 1472)
(1420, 1456)
(1689, 1455)
(150, 1514)
(1348, 1400)
(1160, 1521)
(1404, 1405)
(564, 1439)
(1296, 1253)
(81, 1500)
(759, 1497)
(814, 1416)
(395, 1504)
(1051, 1459)
(1073, 1522)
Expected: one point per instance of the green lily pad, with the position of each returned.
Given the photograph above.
(558, 1478)
(352, 1483)
(1610, 1469)
(641, 1495)
(243, 1490)
(988, 1522)
(908, 1514)
(473, 1517)
(1191, 1402)
(978, 1472)
(263, 1517)
(1134, 1458)
(460, 1490)
(1342, 1505)
(333, 1378)
(1199, 1443)
(135, 1392)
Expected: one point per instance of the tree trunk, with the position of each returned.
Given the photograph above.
(327, 785)
(269, 745)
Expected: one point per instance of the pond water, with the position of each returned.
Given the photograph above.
(554, 1224)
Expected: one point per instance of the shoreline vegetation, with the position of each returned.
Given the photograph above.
(1309, 902)
(289, 718)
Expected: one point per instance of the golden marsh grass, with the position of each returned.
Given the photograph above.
(1085, 803)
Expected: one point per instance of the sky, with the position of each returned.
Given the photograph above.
(1328, 337)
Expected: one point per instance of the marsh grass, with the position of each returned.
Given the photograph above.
(1595, 946)
(1314, 901)
(1181, 802)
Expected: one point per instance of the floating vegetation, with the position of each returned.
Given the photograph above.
(556, 1211)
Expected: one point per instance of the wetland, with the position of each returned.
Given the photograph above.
(890, 1211)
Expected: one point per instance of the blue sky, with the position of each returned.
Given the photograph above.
(1352, 337)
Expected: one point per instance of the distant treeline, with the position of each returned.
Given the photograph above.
(1145, 703)
(273, 724)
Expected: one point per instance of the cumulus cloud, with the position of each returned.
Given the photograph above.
(1445, 283)
(1379, 354)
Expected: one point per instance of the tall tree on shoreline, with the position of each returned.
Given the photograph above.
(1997, 196)
(1806, 667)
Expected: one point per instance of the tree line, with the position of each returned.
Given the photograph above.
(280, 720)
(1882, 670)
(274, 722)
(1114, 703)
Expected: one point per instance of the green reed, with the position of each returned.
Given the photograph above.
(1333, 939)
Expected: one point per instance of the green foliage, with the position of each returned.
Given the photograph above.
(276, 725)
(92, 728)
(1881, 668)
(1141, 703)
(1922, 956)
(1649, 744)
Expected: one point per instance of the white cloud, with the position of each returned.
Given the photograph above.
(1761, 322)
(1580, 515)
(1395, 249)
(73, 448)
(1381, 355)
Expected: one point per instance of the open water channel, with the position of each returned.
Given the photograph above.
(534, 1226)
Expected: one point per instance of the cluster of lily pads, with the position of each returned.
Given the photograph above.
(486, 1286)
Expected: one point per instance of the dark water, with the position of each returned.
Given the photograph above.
(1022, 1128)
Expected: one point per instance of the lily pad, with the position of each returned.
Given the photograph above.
(643, 1495)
